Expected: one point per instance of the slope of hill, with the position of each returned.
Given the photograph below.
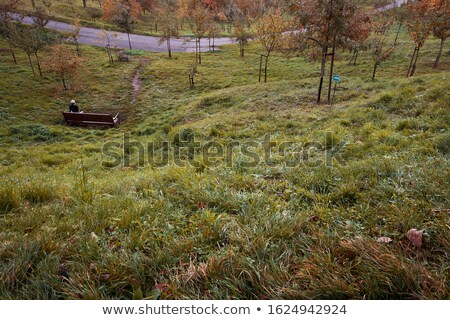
(74, 225)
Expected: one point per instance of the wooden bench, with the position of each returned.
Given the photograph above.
(91, 119)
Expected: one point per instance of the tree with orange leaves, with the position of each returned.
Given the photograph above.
(123, 13)
(357, 34)
(328, 23)
(199, 18)
(63, 63)
(440, 24)
(419, 24)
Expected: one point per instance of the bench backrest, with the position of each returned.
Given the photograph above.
(90, 118)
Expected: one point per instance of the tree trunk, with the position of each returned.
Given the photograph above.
(330, 79)
(260, 68)
(196, 50)
(374, 70)
(33, 4)
(31, 64)
(351, 59)
(169, 49)
(265, 68)
(356, 57)
(199, 52)
(64, 82)
(411, 63)
(322, 71)
(398, 31)
(129, 41)
(84, 4)
(415, 62)
(12, 51)
(78, 47)
(38, 64)
(436, 63)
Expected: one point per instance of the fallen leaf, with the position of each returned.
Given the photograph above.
(415, 236)
(384, 240)
(201, 205)
(63, 272)
(105, 276)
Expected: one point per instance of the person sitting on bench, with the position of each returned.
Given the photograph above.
(73, 106)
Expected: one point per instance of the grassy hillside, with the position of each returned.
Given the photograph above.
(73, 226)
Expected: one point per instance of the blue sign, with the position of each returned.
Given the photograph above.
(336, 78)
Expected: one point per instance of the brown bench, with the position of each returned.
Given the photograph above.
(91, 119)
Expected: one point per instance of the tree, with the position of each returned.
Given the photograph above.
(199, 19)
(63, 63)
(269, 33)
(440, 24)
(29, 40)
(123, 13)
(147, 5)
(380, 51)
(7, 22)
(109, 42)
(241, 34)
(41, 16)
(169, 24)
(357, 32)
(327, 23)
(213, 33)
(398, 13)
(94, 13)
(419, 27)
(74, 34)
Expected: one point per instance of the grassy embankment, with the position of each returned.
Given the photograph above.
(71, 228)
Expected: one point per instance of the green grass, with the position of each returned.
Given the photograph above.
(263, 232)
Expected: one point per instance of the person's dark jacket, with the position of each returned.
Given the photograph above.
(74, 108)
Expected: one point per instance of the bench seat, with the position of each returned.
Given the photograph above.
(91, 119)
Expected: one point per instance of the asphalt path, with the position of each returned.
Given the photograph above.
(92, 36)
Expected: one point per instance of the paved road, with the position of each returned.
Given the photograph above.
(92, 36)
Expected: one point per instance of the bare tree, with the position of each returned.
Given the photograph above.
(381, 52)
(109, 42)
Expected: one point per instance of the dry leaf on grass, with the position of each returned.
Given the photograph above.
(384, 240)
(415, 236)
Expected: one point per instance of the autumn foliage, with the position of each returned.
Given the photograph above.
(63, 63)
(123, 13)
